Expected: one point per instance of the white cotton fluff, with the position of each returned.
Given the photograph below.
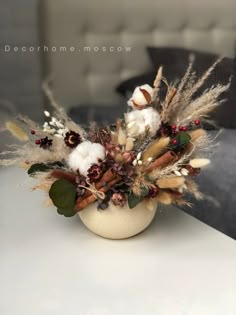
(138, 120)
(84, 155)
(138, 96)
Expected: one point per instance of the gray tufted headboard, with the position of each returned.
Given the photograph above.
(83, 77)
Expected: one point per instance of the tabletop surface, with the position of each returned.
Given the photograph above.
(53, 265)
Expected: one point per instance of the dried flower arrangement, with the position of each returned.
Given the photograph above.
(150, 155)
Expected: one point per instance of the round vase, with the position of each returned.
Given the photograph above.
(117, 222)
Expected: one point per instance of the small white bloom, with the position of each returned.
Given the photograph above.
(59, 124)
(184, 171)
(149, 159)
(140, 162)
(58, 136)
(54, 120)
(45, 124)
(139, 155)
(84, 155)
(141, 97)
(46, 113)
(135, 162)
(177, 173)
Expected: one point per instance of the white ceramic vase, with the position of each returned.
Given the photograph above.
(117, 222)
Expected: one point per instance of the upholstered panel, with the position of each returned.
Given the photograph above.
(90, 77)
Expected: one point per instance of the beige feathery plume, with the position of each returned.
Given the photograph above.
(17, 131)
(129, 144)
(196, 134)
(203, 105)
(157, 84)
(199, 163)
(171, 182)
(121, 137)
(155, 149)
(164, 197)
(193, 189)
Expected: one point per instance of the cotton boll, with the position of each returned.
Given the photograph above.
(140, 119)
(142, 96)
(84, 155)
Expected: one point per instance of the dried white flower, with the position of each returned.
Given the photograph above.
(47, 114)
(84, 155)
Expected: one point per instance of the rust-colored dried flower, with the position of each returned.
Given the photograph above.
(153, 192)
(94, 172)
(118, 199)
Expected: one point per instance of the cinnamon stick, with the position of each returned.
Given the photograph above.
(81, 204)
(64, 175)
(166, 159)
(106, 178)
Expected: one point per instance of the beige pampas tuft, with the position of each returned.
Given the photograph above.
(129, 144)
(196, 134)
(17, 131)
(164, 198)
(199, 163)
(122, 137)
(172, 182)
(155, 149)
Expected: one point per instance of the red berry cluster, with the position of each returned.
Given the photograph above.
(176, 129)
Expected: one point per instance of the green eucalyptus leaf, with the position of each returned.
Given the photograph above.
(134, 200)
(63, 195)
(43, 167)
(67, 212)
(183, 138)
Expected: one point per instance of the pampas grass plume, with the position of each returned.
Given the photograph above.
(198, 163)
(156, 148)
(172, 182)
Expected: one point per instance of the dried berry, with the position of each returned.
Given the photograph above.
(72, 139)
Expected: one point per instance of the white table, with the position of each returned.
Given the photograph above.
(53, 265)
